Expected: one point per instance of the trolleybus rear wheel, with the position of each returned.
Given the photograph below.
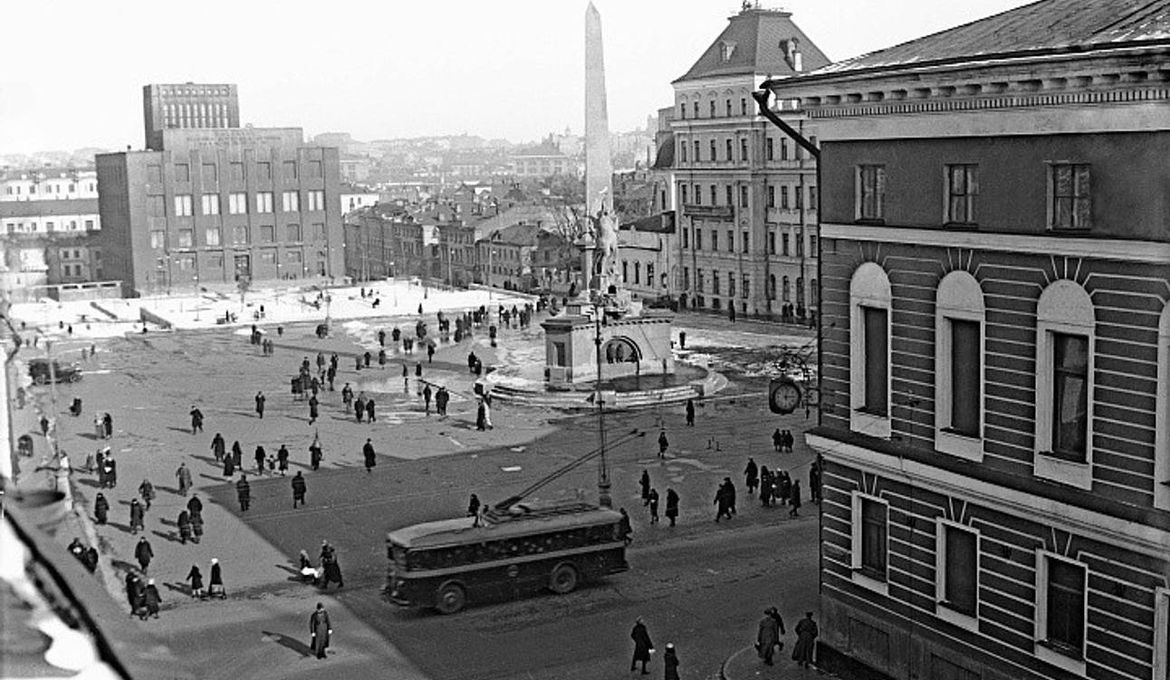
(564, 579)
(451, 598)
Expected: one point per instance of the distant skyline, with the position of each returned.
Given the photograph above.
(510, 68)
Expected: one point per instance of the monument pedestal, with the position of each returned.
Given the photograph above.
(630, 345)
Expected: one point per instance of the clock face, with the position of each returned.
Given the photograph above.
(785, 397)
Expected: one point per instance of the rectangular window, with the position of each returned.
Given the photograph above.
(699, 280)
(315, 169)
(264, 170)
(209, 204)
(210, 172)
(158, 239)
(157, 206)
(264, 202)
(713, 191)
(771, 197)
(731, 284)
(743, 154)
(784, 198)
(317, 200)
(783, 149)
(744, 242)
(695, 148)
(237, 170)
(876, 361)
(727, 194)
(711, 148)
(959, 571)
(290, 170)
(769, 149)
(292, 232)
(784, 250)
(290, 201)
(683, 190)
(871, 192)
(871, 519)
(799, 241)
(238, 203)
(698, 195)
(1064, 606)
(714, 240)
(962, 187)
(686, 278)
(729, 157)
(211, 236)
(771, 243)
(267, 233)
(812, 245)
(293, 257)
(153, 175)
(730, 241)
(812, 198)
(715, 283)
(745, 289)
(1070, 206)
(239, 234)
(1070, 396)
(186, 263)
(798, 194)
(966, 371)
(685, 238)
(214, 261)
(186, 238)
(319, 231)
(743, 106)
(182, 172)
(268, 257)
(698, 238)
(682, 151)
(183, 205)
(743, 197)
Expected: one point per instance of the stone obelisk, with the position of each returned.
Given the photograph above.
(598, 164)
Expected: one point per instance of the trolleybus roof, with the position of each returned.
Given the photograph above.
(520, 520)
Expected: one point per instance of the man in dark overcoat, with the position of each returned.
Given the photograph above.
(218, 447)
(643, 647)
(768, 635)
(298, 489)
(244, 492)
(319, 630)
(369, 455)
(143, 553)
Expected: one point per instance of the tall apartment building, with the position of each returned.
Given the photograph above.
(995, 420)
(188, 105)
(746, 193)
(219, 205)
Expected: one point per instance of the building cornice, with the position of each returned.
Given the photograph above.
(1139, 538)
(1099, 78)
(1147, 252)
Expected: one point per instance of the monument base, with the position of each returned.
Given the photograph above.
(630, 345)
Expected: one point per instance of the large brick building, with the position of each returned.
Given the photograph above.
(995, 383)
(746, 193)
(217, 205)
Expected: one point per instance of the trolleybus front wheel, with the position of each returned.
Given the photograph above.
(451, 598)
(564, 579)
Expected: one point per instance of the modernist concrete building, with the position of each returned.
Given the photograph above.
(995, 335)
(188, 105)
(746, 193)
(219, 205)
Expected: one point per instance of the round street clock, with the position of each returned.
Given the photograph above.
(783, 396)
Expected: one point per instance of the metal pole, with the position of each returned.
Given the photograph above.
(603, 485)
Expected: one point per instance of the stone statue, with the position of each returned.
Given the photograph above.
(605, 230)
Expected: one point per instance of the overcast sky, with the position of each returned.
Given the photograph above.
(494, 68)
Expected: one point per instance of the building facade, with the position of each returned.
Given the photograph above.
(49, 222)
(648, 250)
(746, 193)
(187, 105)
(995, 347)
(220, 205)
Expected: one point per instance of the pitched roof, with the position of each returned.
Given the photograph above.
(665, 156)
(1040, 27)
(517, 235)
(756, 38)
(661, 223)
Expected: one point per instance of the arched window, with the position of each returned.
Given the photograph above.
(869, 351)
(784, 296)
(1065, 345)
(771, 286)
(958, 366)
(800, 292)
(637, 272)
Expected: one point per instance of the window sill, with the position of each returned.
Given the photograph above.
(878, 221)
(1070, 231)
(1077, 474)
(1048, 653)
(960, 445)
(965, 621)
(862, 578)
(871, 424)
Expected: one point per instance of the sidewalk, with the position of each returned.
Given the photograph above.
(746, 664)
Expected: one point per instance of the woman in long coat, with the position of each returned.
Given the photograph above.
(146, 490)
(642, 645)
(196, 578)
(101, 508)
(670, 662)
(320, 629)
(806, 635)
(244, 492)
(150, 600)
(218, 447)
(136, 516)
(216, 582)
(184, 524)
(229, 465)
(671, 505)
(644, 482)
(768, 636)
(237, 455)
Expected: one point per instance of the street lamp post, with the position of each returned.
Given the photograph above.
(603, 484)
